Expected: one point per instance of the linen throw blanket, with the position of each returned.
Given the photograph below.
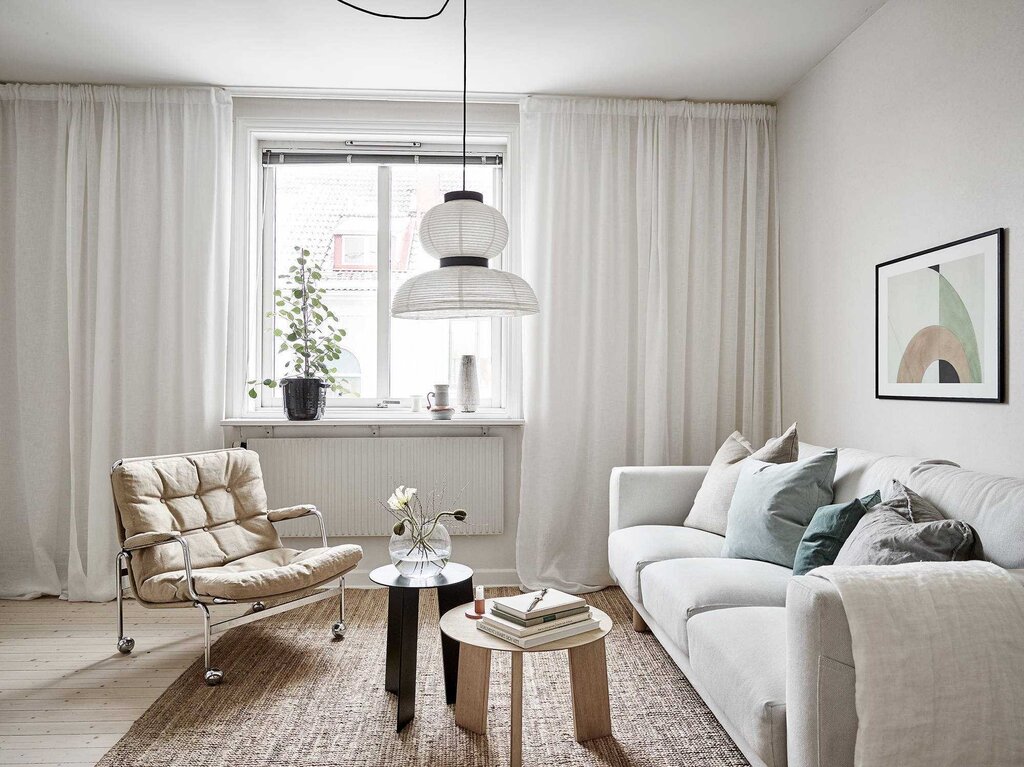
(939, 651)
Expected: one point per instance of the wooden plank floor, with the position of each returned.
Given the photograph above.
(66, 694)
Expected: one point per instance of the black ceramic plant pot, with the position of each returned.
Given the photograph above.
(304, 398)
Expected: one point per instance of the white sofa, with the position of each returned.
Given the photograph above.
(770, 653)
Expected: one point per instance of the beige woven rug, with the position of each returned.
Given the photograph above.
(292, 696)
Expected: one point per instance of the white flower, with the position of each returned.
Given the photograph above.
(399, 499)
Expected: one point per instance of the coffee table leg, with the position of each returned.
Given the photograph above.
(474, 688)
(450, 596)
(588, 676)
(394, 642)
(516, 744)
(400, 668)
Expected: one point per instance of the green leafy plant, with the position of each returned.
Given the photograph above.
(306, 326)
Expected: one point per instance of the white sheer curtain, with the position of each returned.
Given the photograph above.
(651, 238)
(114, 217)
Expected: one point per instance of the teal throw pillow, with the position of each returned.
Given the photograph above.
(774, 503)
(829, 528)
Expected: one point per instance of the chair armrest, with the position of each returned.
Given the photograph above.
(652, 495)
(294, 512)
(290, 512)
(146, 540)
(821, 711)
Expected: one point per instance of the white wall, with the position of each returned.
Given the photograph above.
(908, 135)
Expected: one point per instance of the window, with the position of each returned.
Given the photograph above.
(359, 216)
(355, 251)
(350, 371)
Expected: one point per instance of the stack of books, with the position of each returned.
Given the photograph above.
(529, 620)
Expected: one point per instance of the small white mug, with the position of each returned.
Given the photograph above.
(417, 403)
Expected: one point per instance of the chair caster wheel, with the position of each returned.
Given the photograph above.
(125, 645)
(213, 677)
(338, 629)
(258, 607)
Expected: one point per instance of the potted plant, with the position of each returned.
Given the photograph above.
(309, 332)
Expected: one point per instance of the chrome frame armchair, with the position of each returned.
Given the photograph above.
(257, 610)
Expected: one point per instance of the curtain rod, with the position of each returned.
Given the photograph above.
(261, 92)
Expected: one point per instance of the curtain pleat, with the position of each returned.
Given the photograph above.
(650, 236)
(114, 232)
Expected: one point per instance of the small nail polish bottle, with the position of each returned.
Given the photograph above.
(478, 601)
(479, 606)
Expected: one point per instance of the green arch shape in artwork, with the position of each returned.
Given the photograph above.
(953, 315)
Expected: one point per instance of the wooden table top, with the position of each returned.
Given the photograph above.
(455, 624)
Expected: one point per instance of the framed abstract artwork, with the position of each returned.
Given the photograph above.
(939, 322)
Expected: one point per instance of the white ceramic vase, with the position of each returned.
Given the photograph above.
(469, 389)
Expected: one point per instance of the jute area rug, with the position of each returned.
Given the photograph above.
(292, 696)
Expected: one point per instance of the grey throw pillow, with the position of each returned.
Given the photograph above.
(710, 511)
(906, 528)
(773, 505)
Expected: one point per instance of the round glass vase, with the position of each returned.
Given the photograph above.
(421, 552)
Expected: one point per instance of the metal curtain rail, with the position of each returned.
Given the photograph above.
(271, 157)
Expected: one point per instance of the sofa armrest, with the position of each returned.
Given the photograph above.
(821, 712)
(290, 512)
(652, 495)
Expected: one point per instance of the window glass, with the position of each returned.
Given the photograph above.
(426, 352)
(331, 210)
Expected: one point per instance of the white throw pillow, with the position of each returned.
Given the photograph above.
(710, 510)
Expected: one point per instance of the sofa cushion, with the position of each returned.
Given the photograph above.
(774, 504)
(678, 589)
(257, 576)
(860, 472)
(828, 530)
(631, 549)
(711, 506)
(992, 505)
(738, 657)
(906, 528)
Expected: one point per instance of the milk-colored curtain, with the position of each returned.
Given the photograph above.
(651, 239)
(114, 218)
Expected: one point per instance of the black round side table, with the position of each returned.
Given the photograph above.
(454, 587)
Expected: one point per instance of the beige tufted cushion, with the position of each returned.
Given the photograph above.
(258, 576)
(215, 500)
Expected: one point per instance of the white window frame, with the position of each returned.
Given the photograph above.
(252, 135)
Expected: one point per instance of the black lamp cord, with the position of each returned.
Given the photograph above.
(465, 70)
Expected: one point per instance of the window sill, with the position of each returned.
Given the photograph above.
(374, 417)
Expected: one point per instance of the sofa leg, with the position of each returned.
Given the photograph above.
(639, 624)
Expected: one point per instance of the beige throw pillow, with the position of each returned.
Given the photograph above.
(710, 510)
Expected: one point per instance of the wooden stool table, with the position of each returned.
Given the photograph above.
(588, 677)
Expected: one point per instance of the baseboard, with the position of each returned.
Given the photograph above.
(360, 579)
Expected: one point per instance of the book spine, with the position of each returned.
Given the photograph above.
(525, 631)
(500, 634)
(505, 615)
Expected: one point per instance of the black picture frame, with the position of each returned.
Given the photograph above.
(1001, 373)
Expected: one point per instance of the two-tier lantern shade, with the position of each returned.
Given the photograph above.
(464, 234)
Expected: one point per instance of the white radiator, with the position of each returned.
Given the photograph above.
(346, 477)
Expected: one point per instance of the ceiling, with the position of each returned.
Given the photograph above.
(737, 50)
